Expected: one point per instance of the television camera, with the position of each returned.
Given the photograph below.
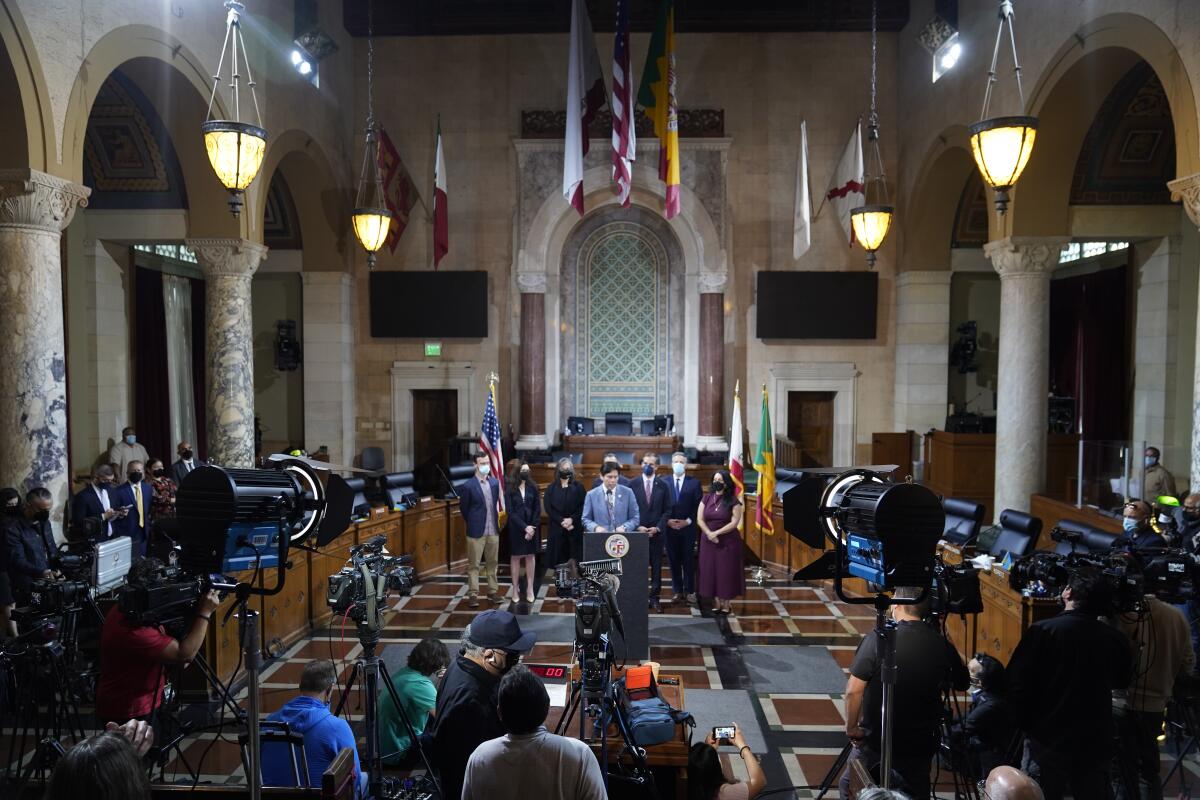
(596, 614)
(358, 589)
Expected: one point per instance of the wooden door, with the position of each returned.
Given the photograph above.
(810, 426)
(894, 448)
(435, 424)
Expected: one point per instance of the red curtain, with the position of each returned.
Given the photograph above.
(151, 400)
(199, 369)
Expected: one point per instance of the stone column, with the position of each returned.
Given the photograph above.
(1156, 353)
(1188, 190)
(1025, 264)
(34, 210)
(922, 349)
(532, 392)
(711, 421)
(228, 266)
(328, 346)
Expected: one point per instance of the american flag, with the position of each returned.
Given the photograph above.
(489, 442)
(624, 138)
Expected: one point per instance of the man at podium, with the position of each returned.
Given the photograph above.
(611, 506)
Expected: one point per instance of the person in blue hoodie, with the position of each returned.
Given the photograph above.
(324, 734)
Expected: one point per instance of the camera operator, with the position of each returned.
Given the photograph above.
(1162, 644)
(31, 544)
(1062, 674)
(134, 658)
(1138, 535)
(988, 730)
(466, 716)
(925, 663)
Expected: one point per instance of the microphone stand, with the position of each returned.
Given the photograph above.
(449, 482)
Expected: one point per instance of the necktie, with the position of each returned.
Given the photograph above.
(678, 488)
(609, 495)
(137, 499)
(648, 489)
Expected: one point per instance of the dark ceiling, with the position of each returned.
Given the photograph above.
(467, 17)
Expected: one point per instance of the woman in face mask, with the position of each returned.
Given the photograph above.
(163, 506)
(989, 727)
(564, 507)
(721, 575)
(524, 507)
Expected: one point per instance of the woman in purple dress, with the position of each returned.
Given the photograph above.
(722, 576)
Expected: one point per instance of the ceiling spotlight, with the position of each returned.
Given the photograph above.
(296, 58)
(946, 56)
(950, 57)
(305, 67)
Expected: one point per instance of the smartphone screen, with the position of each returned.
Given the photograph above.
(723, 732)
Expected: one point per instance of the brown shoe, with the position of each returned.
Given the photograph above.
(472, 602)
(495, 598)
(691, 598)
(678, 599)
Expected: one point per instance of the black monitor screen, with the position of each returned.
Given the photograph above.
(429, 305)
(817, 305)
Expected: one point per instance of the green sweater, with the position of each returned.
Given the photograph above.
(419, 697)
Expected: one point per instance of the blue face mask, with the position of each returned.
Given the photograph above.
(485, 469)
(678, 468)
(1129, 524)
(1151, 461)
(130, 439)
(647, 469)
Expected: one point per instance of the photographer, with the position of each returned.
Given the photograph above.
(1062, 674)
(707, 779)
(134, 658)
(466, 707)
(988, 730)
(31, 544)
(925, 663)
(417, 691)
(1162, 643)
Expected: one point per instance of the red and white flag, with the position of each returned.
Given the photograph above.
(737, 470)
(802, 221)
(624, 138)
(846, 187)
(585, 96)
(441, 215)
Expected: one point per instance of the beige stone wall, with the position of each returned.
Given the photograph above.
(765, 84)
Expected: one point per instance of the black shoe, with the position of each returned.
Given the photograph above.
(657, 606)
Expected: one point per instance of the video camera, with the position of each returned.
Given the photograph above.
(49, 598)
(596, 612)
(167, 598)
(1121, 577)
(358, 589)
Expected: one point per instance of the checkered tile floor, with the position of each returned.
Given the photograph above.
(803, 732)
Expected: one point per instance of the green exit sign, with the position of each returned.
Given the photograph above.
(433, 349)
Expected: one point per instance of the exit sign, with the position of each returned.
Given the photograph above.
(433, 349)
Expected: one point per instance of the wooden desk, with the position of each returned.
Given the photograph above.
(593, 448)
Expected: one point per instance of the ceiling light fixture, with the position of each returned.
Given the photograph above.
(235, 148)
(872, 221)
(1002, 145)
(371, 218)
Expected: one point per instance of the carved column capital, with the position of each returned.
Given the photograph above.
(713, 282)
(531, 282)
(227, 257)
(1025, 255)
(1187, 190)
(33, 199)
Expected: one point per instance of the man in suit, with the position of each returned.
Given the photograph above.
(96, 501)
(681, 531)
(653, 497)
(479, 503)
(185, 464)
(136, 494)
(599, 480)
(610, 507)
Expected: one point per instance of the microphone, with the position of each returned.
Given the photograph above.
(611, 584)
(449, 482)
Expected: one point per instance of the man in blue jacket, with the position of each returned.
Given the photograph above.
(653, 498)
(478, 502)
(324, 734)
(683, 500)
(136, 495)
(611, 506)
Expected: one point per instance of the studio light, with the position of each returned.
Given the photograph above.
(872, 221)
(371, 218)
(235, 148)
(1002, 145)
(939, 37)
(948, 56)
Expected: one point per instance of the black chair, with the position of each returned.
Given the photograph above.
(963, 520)
(648, 427)
(1018, 534)
(581, 426)
(1091, 539)
(460, 474)
(400, 490)
(663, 423)
(360, 506)
(618, 423)
(372, 459)
(277, 734)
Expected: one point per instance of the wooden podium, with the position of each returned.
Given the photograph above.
(633, 595)
(593, 448)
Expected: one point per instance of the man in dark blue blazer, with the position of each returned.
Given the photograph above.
(136, 495)
(97, 500)
(653, 497)
(479, 502)
(684, 499)
(30, 544)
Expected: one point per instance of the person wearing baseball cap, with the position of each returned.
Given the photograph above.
(466, 715)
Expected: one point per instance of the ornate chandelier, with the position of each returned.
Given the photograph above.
(370, 217)
(872, 221)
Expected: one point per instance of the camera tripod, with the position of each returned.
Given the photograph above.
(593, 693)
(368, 667)
(45, 667)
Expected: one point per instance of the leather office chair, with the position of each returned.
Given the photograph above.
(647, 427)
(1018, 534)
(618, 423)
(963, 520)
(372, 459)
(1091, 539)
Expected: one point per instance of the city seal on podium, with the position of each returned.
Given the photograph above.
(616, 546)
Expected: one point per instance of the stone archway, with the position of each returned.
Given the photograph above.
(545, 222)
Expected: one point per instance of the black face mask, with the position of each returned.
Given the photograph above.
(525, 477)
(41, 515)
(511, 659)
(104, 485)
(566, 474)
(12, 511)
(1191, 513)
(158, 473)
(135, 477)
(718, 488)
(186, 455)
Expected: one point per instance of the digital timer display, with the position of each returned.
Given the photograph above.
(547, 671)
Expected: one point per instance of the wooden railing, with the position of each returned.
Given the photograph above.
(787, 453)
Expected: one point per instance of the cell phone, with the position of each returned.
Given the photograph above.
(723, 732)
